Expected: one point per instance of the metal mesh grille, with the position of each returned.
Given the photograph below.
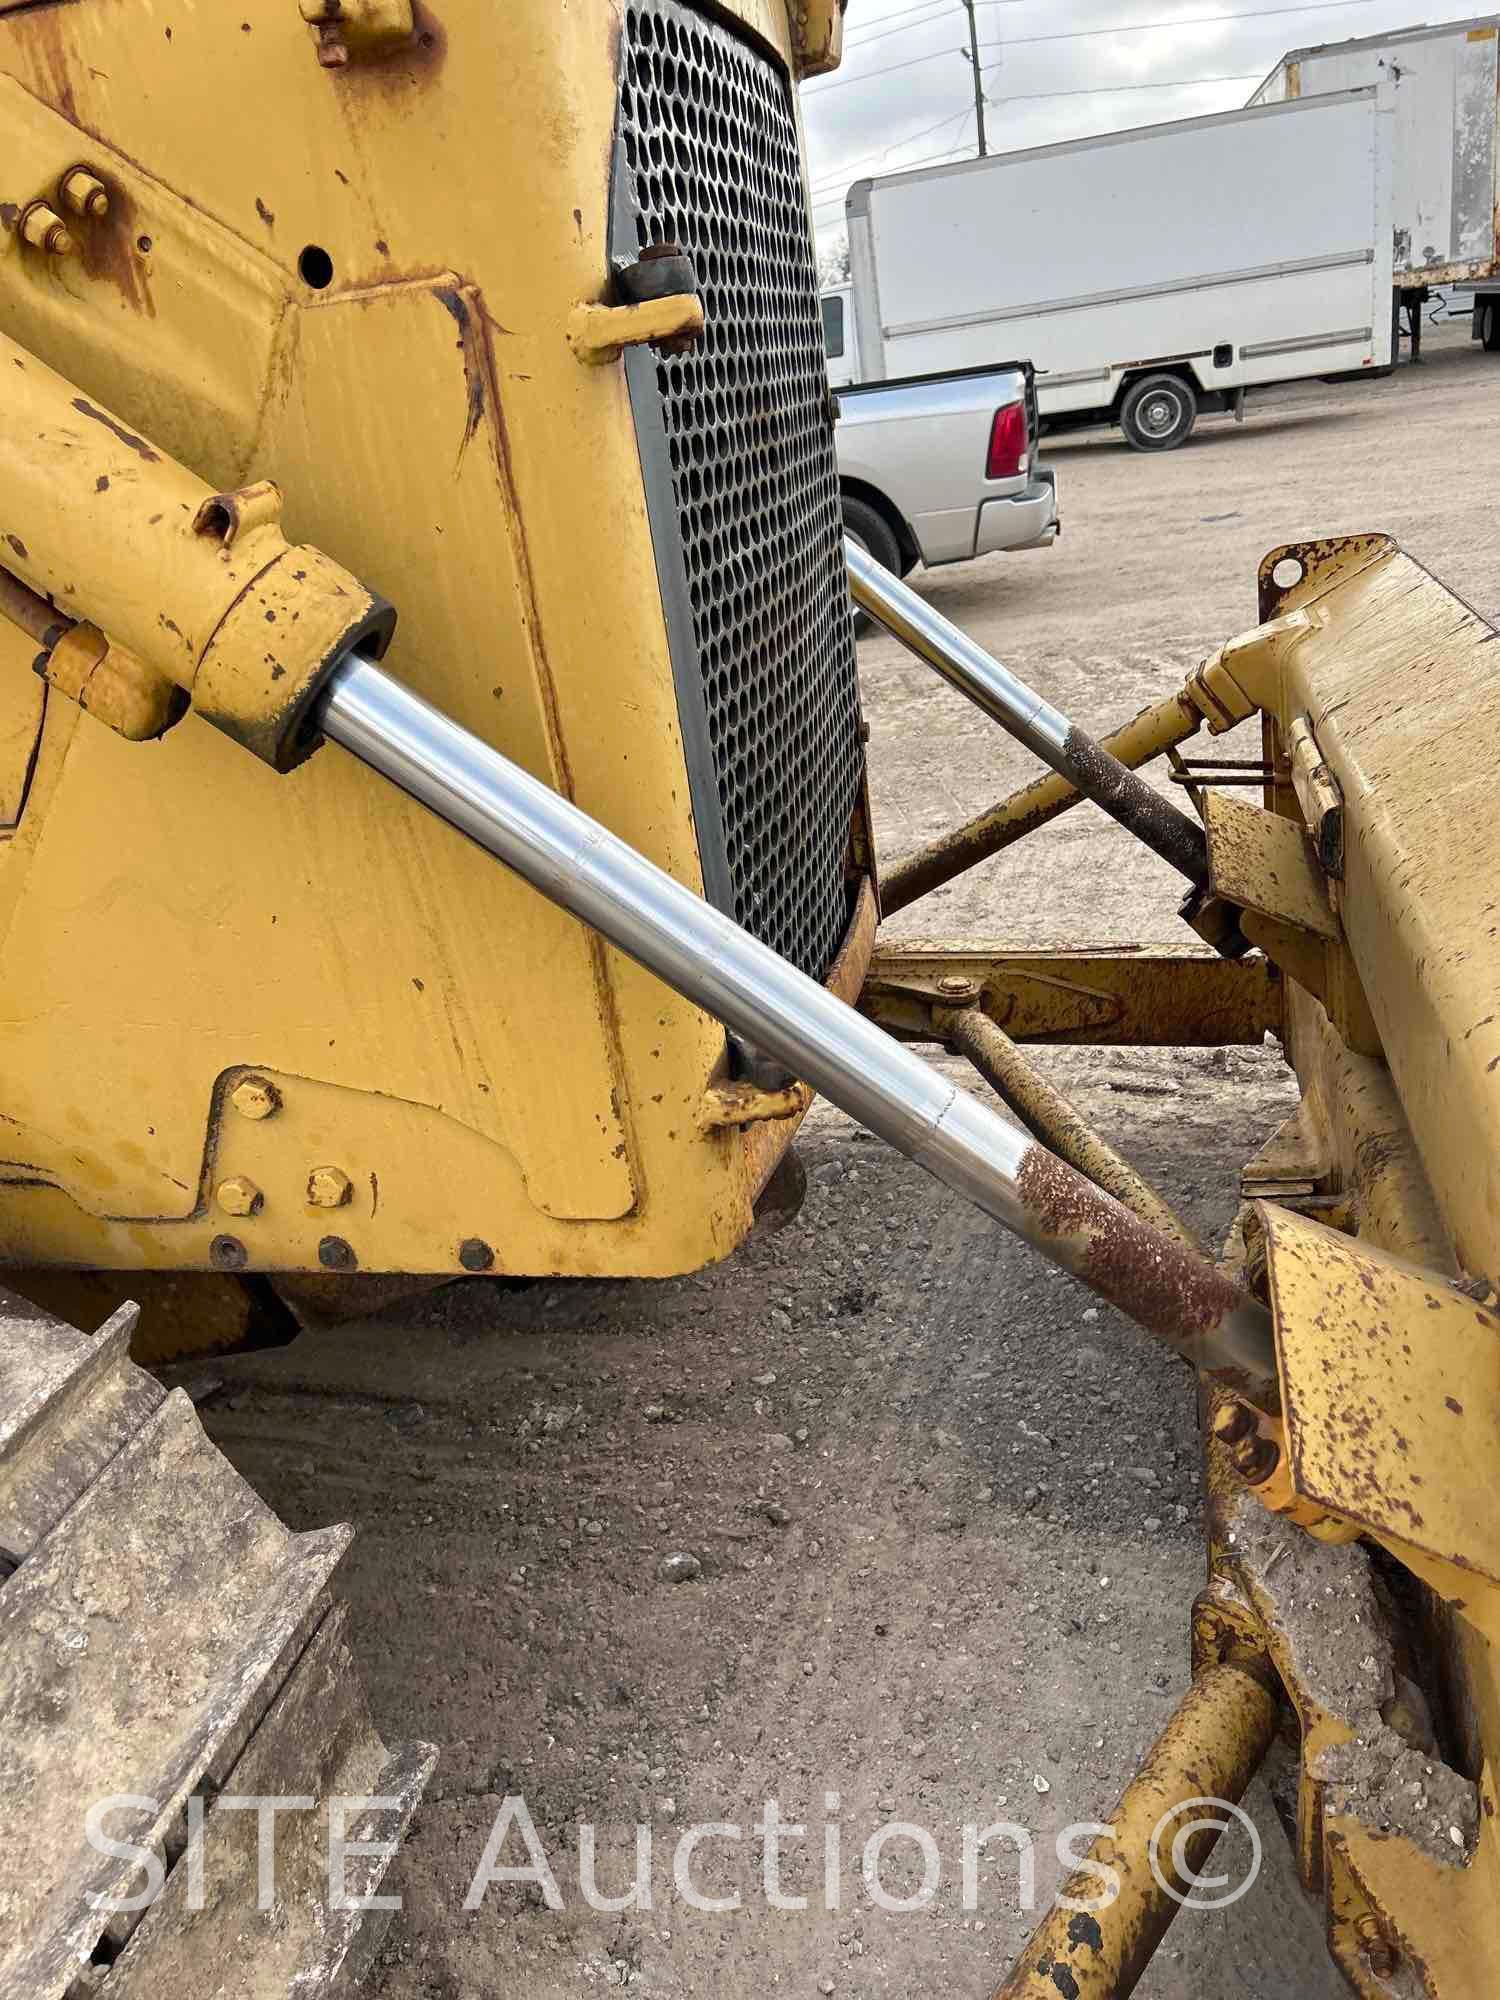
(708, 137)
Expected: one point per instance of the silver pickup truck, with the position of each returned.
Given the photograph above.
(939, 468)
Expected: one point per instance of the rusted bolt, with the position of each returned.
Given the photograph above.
(255, 1097)
(227, 1253)
(953, 986)
(334, 1254)
(1232, 1421)
(329, 1187)
(1375, 1945)
(1255, 1459)
(333, 50)
(44, 229)
(475, 1254)
(84, 193)
(239, 1196)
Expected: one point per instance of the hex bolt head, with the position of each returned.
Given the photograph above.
(953, 986)
(44, 229)
(239, 1196)
(84, 193)
(475, 1254)
(255, 1097)
(334, 1254)
(329, 1187)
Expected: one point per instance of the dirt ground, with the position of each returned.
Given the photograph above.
(945, 1508)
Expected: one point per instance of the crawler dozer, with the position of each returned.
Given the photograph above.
(515, 936)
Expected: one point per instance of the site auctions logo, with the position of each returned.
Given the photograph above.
(360, 1827)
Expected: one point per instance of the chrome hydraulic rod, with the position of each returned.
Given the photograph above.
(1170, 1291)
(1071, 751)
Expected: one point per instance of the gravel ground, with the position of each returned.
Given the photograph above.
(942, 1509)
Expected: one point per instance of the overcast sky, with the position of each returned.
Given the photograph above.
(1053, 69)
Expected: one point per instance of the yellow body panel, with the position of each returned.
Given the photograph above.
(173, 915)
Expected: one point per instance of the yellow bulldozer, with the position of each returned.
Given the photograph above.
(434, 840)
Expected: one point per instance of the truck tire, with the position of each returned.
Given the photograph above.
(872, 532)
(1158, 412)
(1487, 320)
(165, 1640)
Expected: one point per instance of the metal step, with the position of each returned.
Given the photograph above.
(162, 1634)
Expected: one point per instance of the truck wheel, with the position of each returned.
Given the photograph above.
(1487, 312)
(871, 532)
(1158, 412)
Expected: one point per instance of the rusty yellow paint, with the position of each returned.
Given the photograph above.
(818, 35)
(1134, 995)
(1261, 861)
(1390, 1384)
(600, 334)
(1155, 729)
(1052, 1118)
(178, 584)
(727, 1105)
(1399, 1913)
(1094, 1947)
(1396, 676)
(429, 423)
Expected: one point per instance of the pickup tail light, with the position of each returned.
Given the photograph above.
(1007, 456)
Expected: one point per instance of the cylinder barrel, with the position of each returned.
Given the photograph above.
(1172, 1292)
(1021, 711)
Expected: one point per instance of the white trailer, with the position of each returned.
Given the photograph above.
(1148, 274)
(1445, 211)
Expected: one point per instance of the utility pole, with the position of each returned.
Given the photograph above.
(973, 55)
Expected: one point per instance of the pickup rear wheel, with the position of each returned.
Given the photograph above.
(1487, 317)
(871, 532)
(1158, 412)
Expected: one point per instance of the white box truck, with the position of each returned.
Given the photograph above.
(1148, 274)
(1445, 172)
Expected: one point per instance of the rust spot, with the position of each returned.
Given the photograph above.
(1454, 1405)
(1181, 1298)
(136, 444)
(18, 545)
(267, 216)
(101, 484)
(405, 66)
(109, 250)
(10, 214)
(1084, 1929)
(456, 305)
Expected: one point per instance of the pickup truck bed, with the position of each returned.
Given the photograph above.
(950, 476)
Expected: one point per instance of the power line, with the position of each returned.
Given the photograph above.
(842, 177)
(930, 10)
(927, 160)
(1111, 89)
(866, 75)
(1035, 96)
(1189, 21)
(819, 88)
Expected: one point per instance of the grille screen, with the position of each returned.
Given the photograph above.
(709, 160)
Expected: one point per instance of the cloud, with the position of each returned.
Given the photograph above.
(905, 92)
